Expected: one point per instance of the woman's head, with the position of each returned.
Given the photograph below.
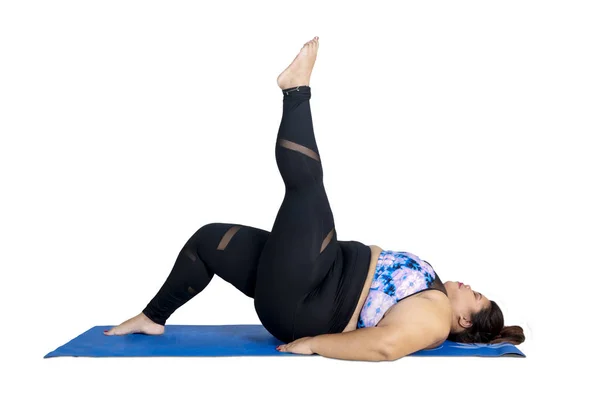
(477, 319)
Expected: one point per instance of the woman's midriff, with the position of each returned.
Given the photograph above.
(375, 251)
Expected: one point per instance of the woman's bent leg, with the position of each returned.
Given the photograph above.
(229, 250)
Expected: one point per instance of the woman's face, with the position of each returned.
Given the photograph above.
(465, 302)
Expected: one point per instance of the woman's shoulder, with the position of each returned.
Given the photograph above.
(441, 302)
(433, 304)
(420, 321)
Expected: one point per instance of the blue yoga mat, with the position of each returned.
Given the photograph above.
(222, 341)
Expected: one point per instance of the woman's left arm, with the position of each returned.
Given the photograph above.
(364, 344)
(411, 325)
(360, 344)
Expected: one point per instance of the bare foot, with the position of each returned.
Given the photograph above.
(298, 72)
(138, 324)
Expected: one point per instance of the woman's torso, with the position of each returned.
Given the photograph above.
(434, 295)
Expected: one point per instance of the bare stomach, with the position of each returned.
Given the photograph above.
(375, 251)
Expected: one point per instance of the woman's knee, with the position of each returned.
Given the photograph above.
(300, 167)
(209, 235)
(217, 236)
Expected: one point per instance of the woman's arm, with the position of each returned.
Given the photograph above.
(411, 325)
(361, 344)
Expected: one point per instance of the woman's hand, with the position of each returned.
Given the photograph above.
(298, 346)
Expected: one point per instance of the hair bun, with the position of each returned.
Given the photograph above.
(511, 334)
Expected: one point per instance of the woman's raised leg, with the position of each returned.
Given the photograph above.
(302, 246)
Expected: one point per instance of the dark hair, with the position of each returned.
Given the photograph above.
(488, 327)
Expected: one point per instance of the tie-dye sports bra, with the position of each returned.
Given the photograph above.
(398, 275)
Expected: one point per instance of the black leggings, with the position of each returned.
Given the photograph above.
(304, 281)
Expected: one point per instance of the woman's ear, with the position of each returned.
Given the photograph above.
(464, 322)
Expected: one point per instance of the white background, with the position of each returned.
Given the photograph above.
(127, 125)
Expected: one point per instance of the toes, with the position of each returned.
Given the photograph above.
(313, 41)
(115, 331)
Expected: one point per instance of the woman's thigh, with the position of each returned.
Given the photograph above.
(231, 251)
(297, 259)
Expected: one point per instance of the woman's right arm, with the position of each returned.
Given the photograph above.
(413, 324)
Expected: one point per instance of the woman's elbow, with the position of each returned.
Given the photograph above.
(389, 354)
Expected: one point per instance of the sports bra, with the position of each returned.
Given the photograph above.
(398, 275)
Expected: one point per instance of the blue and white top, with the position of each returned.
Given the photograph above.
(398, 275)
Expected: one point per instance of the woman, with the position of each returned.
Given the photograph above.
(339, 299)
